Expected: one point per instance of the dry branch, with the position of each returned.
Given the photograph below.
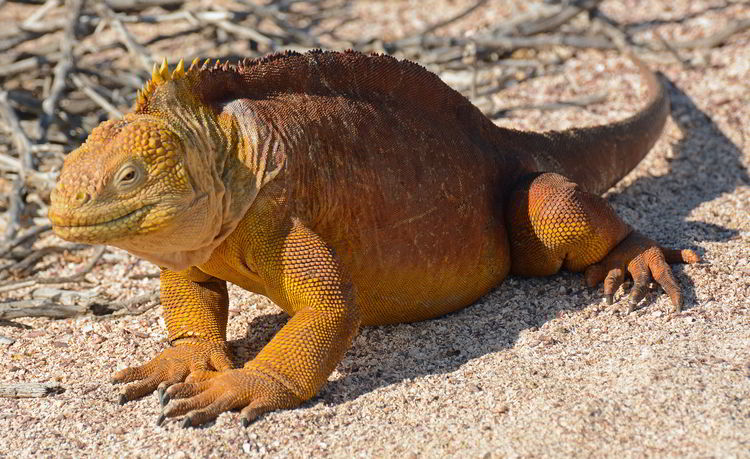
(23, 144)
(717, 39)
(63, 67)
(25, 237)
(139, 4)
(77, 304)
(29, 389)
(88, 88)
(135, 48)
(39, 308)
(557, 19)
(24, 267)
(577, 102)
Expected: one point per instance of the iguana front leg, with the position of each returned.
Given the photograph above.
(195, 310)
(301, 271)
(555, 224)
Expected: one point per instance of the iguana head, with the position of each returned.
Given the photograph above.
(128, 179)
(149, 183)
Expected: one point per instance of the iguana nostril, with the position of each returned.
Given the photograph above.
(82, 197)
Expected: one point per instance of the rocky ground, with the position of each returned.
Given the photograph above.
(539, 367)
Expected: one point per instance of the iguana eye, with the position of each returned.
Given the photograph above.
(128, 176)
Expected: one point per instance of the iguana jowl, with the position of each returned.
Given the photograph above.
(351, 190)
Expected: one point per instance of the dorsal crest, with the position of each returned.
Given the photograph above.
(160, 75)
(315, 73)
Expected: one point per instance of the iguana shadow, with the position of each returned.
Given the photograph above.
(658, 205)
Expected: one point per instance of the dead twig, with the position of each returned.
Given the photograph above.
(140, 4)
(557, 19)
(31, 259)
(274, 13)
(40, 308)
(88, 88)
(23, 144)
(27, 64)
(717, 39)
(133, 47)
(31, 234)
(17, 198)
(77, 306)
(508, 43)
(25, 265)
(63, 67)
(29, 389)
(578, 102)
(128, 307)
(417, 37)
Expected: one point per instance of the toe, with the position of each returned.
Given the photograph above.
(641, 279)
(673, 256)
(186, 405)
(209, 413)
(140, 388)
(201, 375)
(251, 412)
(594, 274)
(663, 275)
(186, 390)
(133, 373)
(612, 282)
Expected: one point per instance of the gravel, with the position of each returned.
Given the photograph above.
(539, 367)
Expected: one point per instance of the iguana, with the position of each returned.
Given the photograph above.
(351, 190)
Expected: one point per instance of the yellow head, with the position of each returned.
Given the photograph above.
(148, 183)
(128, 179)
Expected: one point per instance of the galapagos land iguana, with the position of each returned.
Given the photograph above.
(351, 190)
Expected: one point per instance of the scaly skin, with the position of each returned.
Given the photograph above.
(351, 190)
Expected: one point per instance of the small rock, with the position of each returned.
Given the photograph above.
(6, 340)
(502, 408)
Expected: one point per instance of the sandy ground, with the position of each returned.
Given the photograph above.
(539, 367)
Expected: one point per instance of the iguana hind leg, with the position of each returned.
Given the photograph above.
(554, 224)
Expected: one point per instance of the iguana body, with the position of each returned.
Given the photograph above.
(349, 189)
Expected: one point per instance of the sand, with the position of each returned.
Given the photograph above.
(538, 367)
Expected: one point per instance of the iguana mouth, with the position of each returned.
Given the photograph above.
(115, 221)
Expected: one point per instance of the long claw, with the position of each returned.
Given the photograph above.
(186, 422)
(160, 419)
(123, 399)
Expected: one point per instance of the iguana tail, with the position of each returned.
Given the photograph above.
(597, 157)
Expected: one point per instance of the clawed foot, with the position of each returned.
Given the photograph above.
(188, 361)
(247, 389)
(644, 260)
